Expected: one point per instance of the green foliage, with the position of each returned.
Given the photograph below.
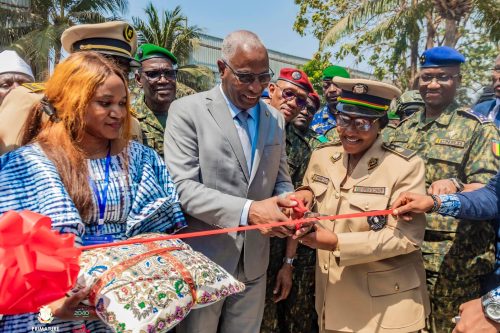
(314, 70)
(170, 31)
(36, 33)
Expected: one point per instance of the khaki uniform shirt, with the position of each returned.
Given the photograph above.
(375, 280)
(456, 144)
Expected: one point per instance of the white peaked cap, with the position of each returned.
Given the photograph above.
(11, 62)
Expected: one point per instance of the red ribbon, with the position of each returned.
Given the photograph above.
(38, 265)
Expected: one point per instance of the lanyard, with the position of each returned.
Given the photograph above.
(101, 200)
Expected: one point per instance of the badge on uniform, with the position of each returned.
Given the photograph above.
(335, 157)
(372, 163)
(96, 239)
(377, 222)
(495, 147)
(320, 179)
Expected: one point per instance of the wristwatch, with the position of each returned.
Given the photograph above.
(288, 261)
(458, 184)
(491, 305)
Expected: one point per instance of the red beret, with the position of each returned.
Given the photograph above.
(315, 97)
(296, 77)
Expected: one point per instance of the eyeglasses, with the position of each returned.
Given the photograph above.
(289, 94)
(440, 78)
(361, 124)
(155, 75)
(248, 78)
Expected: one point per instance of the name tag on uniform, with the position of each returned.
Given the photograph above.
(369, 190)
(320, 179)
(450, 142)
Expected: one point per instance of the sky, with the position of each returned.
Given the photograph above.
(271, 20)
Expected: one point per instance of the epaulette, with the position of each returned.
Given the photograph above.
(400, 151)
(329, 144)
(34, 86)
(471, 114)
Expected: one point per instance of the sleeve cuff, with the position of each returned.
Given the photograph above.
(450, 205)
(244, 213)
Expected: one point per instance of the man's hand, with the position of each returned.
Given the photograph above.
(408, 202)
(267, 211)
(283, 283)
(473, 320)
(442, 186)
(70, 308)
(320, 238)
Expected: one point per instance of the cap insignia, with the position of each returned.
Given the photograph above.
(128, 33)
(360, 88)
(422, 59)
(296, 75)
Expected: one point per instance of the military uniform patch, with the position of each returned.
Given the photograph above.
(35, 86)
(450, 142)
(369, 190)
(128, 33)
(372, 163)
(377, 222)
(335, 157)
(400, 151)
(320, 179)
(495, 147)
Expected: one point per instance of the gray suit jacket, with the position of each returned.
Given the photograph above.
(206, 160)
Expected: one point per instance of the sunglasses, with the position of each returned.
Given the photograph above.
(248, 78)
(361, 124)
(155, 75)
(440, 78)
(289, 94)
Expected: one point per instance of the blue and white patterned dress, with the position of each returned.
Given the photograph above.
(144, 199)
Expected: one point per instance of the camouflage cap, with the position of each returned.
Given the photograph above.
(409, 102)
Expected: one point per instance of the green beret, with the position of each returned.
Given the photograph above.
(331, 71)
(149, 51)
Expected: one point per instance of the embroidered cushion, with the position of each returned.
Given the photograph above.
(151, 287)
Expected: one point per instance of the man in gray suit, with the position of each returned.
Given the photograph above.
(226, 154)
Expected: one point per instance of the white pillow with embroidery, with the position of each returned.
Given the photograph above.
(151, 286)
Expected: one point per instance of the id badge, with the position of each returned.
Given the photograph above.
(96, 239)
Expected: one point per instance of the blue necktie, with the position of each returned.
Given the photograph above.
(245, 137)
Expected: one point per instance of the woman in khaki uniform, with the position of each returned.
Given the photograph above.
(370, 275)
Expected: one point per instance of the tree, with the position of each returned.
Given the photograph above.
(390, 34)
(37, 33)
(171, 31)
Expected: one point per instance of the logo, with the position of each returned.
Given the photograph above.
(128, 33)
(360, 88)
(296, 75)
(45, 316)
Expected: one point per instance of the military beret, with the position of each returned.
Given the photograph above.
(296, 77)
(441, 56)
(315, 98)
(364, 98)
(149, 51)
(332, 71)
(116, 38)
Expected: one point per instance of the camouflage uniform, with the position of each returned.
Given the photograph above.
(152, 129)
(330, 135)
(456, 252)
(296, 313)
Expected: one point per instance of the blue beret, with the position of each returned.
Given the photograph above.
(441, 56)
(265, 93)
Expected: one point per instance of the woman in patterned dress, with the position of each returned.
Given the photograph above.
(81, 169)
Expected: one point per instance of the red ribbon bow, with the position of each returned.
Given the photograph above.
(38, 264)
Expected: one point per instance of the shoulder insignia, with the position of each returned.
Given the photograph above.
(400, 151)
(329, 144)
(468, 112)
(35, 86)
